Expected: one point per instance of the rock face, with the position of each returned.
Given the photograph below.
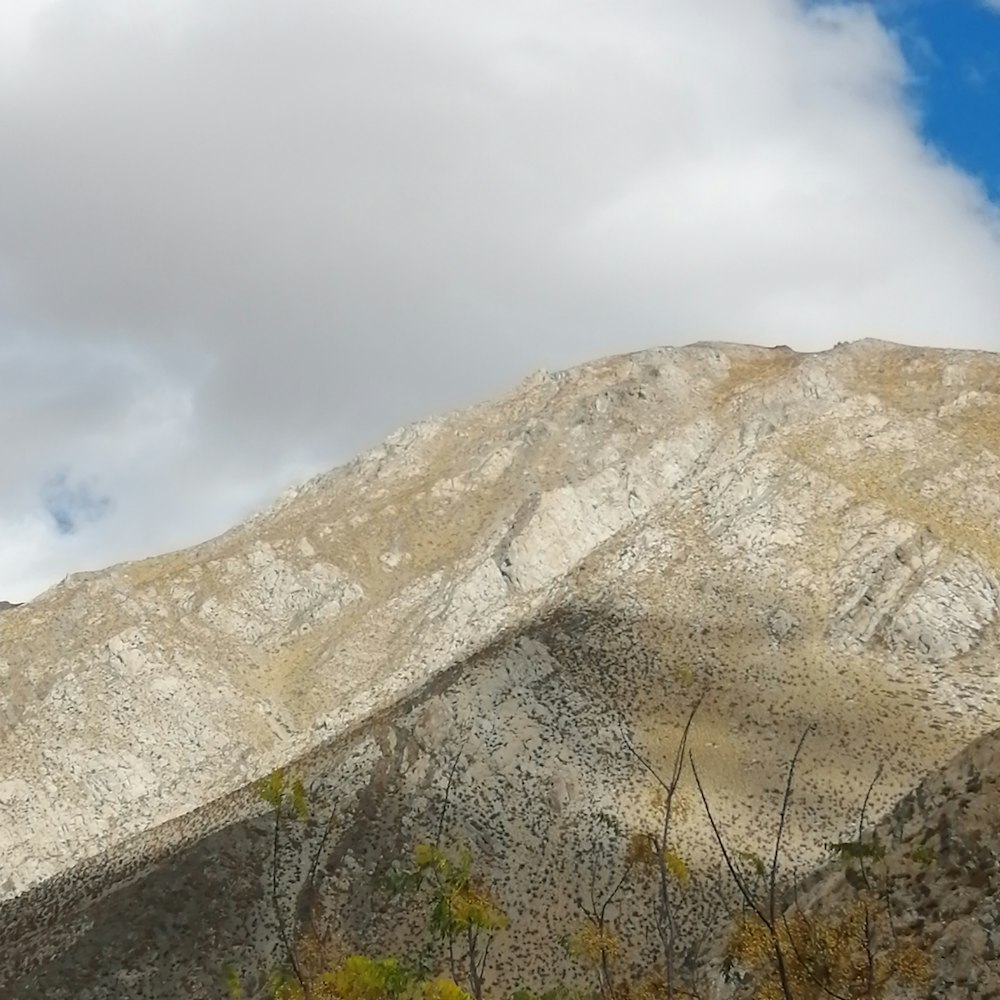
(953, 901)
(802, 538)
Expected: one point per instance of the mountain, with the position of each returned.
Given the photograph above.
(953, 901)
(487, 604)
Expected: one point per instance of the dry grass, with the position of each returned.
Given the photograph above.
(884, 477)
(752, 371)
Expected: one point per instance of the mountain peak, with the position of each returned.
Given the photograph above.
(802, 536)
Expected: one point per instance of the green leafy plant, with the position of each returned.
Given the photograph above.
(285, 794)
(463, 911)
(853, 953)
(232, 979)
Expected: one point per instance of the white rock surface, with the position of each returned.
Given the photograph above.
(805, 536)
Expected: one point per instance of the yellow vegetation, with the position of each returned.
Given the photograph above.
(851, 953)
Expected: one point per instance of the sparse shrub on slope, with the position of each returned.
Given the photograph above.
(773, 951)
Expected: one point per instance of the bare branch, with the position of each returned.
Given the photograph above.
(447, 789)
(665, 915)
(717, 833)
(314, 866)
(785, 800)
(861, 826)
(282, 929)
(769, 920)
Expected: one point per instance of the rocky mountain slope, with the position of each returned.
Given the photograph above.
(949, 895)
(802, 538)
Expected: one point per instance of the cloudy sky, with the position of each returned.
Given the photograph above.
(242, 240)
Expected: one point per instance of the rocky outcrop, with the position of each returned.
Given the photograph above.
(941, 860)
(803, 538)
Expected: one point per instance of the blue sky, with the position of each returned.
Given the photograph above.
(72, 505)
(952, 49)
(243, 240)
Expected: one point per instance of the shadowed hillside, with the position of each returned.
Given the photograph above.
(800, 539)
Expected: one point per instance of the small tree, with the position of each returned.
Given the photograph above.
(595, 945)
(464, 912)
(669, 865)
(850, 954)
(280, 792)
(300, 939)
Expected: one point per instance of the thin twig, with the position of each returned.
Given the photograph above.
(319, 851)
(282, 930)
(785, 800)
(769, 920)
(447, 789)
(665, 915)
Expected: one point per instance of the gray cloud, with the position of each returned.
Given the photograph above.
(241, 241)
(71, 504)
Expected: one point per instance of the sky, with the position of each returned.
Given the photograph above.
(243, 240)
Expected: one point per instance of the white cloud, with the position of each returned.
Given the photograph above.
(240, 241)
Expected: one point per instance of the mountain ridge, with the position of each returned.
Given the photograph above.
(803, 525)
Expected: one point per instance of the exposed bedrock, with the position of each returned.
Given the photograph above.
(800, 538)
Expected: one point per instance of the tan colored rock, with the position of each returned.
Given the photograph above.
(803, 537)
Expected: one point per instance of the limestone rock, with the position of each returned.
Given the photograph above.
(804, 538)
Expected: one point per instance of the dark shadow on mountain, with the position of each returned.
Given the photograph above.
(170, 933)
